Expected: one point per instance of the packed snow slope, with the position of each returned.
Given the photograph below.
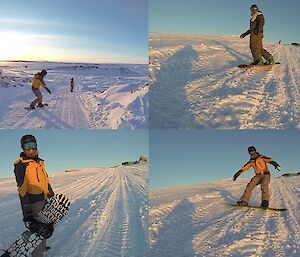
(195, 83)
(105, 95)
(108, 214)
(194, 221)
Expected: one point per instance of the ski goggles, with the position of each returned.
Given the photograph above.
(29, 145)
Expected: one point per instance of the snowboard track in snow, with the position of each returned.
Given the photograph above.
(108, 214)
(195, 83)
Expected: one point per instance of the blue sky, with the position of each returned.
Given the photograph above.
(183, 157)
(73, 149)
(219, 17)
(74, 30)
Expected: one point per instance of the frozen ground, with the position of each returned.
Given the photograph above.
(105, 96)
(194, 221)
(195, 83)
(108, 215)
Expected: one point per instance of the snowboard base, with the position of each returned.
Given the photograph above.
(257, 207)
(243, 66)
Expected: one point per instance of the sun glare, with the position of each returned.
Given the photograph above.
(14, 46)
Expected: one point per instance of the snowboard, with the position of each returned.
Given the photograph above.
(28, 108)
(243, 66)
(55, 209)
(258, 207)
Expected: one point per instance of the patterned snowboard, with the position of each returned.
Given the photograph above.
(55, 209)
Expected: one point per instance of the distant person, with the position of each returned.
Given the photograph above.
(37, 82)
(262, 176)
(279, 42)
(33, 185)
(256, 32)
(72, 84)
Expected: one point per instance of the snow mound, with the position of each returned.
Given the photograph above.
(195, 83)
(195, 221)
(105, 96)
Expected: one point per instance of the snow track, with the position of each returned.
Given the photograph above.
(194, 221)
(108, 214)
(195, 83)
(105, 96)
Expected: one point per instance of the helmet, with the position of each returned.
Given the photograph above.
(27, 139)
(254, 7)
(251, 149)
(43, 72)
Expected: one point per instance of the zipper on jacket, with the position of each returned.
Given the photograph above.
(37, 174)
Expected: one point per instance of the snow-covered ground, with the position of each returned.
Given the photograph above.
(108, 214)
(195, 83)
(194, 221)
(105, 95)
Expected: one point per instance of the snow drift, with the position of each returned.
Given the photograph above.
(195, 83)
(105, 95)
(194, 221)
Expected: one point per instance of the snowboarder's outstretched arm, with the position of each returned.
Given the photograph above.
(246, 167)
(44, 85)
(245, 33)
(269, 160)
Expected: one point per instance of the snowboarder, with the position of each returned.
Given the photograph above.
(72, 84)
(256, 32)
(33, 186)
(259, 163)
(37, 82)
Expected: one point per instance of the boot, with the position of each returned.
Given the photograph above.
(270, 61)
(260, 61)
(32, 107)
(264, 204)
(242, 203)
(40, 105)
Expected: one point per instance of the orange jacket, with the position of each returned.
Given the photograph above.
(31, 177)
(259, 164)
(37, 81)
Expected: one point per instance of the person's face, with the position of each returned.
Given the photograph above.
(253, 154)
(253, 10)
(30, 149)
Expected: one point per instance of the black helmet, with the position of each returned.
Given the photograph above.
(27, 139)
(254, 7)
(43, 72)
(251, 149)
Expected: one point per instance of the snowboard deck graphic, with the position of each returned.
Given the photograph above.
(258, 207)
(55, 209)
(28, 107)
(243, 66)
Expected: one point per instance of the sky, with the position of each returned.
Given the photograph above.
(230, 17)
(94, 31)
(74, 149)
(185, 157)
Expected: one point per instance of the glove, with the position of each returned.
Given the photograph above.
(42, 229)
(235, 176)
(48, 90)
(28, 218)
(278, 168)
(243, 35)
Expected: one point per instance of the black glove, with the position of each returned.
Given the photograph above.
(48, 90)
(42, 229)
(28, 218)
(243, 35)
(235, 176)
